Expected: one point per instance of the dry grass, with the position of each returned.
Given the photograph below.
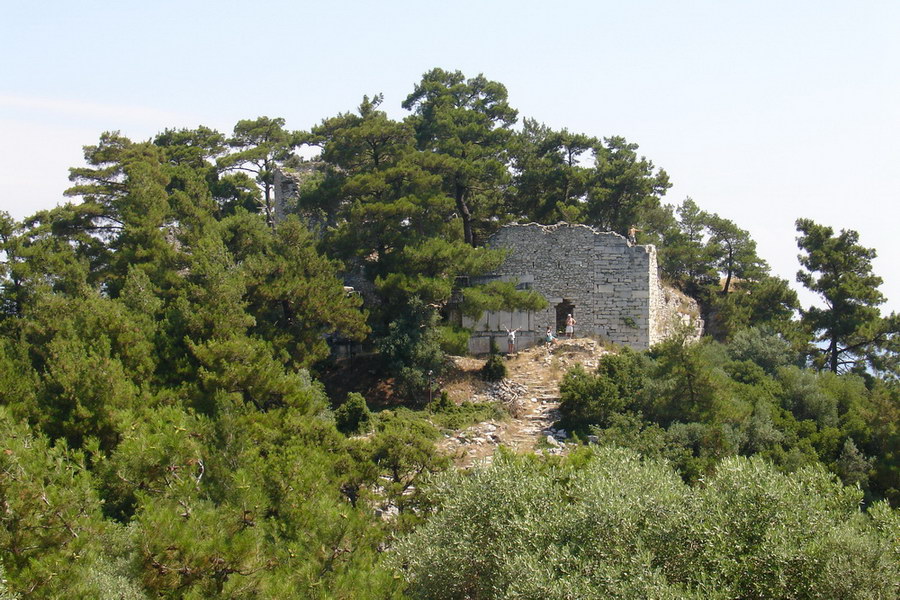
(461, 380)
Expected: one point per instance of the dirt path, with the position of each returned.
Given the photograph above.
(531, 395)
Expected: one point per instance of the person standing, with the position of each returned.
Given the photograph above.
(511, 341)
(570, 326)
(632, 234)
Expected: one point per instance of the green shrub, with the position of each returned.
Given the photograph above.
(353, 415)
(493, 369)
(454, 340)
(459, 416)
(592, 398)
(403, 450)
(441, 403)
(616, 526)
(768, 350)
(411, 351)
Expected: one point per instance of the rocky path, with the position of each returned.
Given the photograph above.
(530, 394)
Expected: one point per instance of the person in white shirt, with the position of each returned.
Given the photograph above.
(511, 341)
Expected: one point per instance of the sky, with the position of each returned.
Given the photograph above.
(762, 112)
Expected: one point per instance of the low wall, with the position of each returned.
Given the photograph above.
(480, 342)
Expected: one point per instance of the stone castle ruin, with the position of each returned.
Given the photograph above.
(610, 286)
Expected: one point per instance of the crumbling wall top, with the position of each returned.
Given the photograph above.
(565, 228)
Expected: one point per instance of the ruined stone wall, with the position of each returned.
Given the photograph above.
(286, 185)
(613, 286)
(672, 311)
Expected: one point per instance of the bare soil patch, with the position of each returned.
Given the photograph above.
(531, 395)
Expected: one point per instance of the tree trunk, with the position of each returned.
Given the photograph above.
(465, 215)
(267, 204)
(729, 268)
(288, 312)
(833, 351)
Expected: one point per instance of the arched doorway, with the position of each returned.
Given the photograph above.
(563, 310)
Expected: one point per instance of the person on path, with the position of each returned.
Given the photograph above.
(549, 338)
(570, 326)
(511, 341)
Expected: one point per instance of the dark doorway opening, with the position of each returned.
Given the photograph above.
(563, 310)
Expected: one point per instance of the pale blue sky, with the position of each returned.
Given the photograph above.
(761, 111)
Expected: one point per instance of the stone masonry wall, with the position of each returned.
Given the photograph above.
(613, 285)
(286, 185)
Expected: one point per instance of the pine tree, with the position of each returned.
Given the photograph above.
(850, 325)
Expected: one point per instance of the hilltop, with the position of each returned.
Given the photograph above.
(176, 421)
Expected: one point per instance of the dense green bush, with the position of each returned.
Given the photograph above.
(411, 352)
(613, 525)
(592, 398)
(54, 542)
(705, 401)
(454, 340)
(353, 415)
(494, 369)
(403, 449)
(767, 350)
(459, 416)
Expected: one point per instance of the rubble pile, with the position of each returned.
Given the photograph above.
(476, 443)
(509, 394)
